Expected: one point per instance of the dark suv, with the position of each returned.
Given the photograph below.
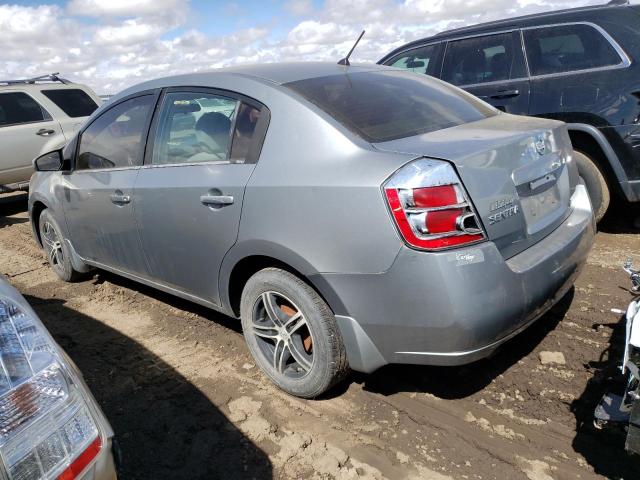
(579, 66)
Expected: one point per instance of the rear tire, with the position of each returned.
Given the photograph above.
(56, 248)
(292, 333)
(596, 184)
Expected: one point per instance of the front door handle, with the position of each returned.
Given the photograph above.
(505, 94)
(216, 200)
(120, 199)
(45, 132)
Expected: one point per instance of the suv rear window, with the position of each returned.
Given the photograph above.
(383, 106)
(566, 48)
(73, 101)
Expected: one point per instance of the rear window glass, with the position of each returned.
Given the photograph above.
(74, 102)
(383, 106)
(566, 48)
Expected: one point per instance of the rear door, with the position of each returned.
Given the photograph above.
(574, 68)
(75, 103)
(202, 151)
(491, 67)
(25, 129)
(98, 193)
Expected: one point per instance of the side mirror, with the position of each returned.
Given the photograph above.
(49, 162)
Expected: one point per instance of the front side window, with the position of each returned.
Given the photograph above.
(566, 48)
(419, 60)
(116, 138)
(194, 128)
(387, 105)
(491, 58)
(18, 107)
(72, 101)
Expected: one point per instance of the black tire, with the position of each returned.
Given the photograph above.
(312, 357)
(596, 184)
(56, 248)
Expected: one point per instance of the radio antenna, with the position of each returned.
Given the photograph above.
(345, 60)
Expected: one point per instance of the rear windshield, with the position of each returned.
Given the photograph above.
(74, 102)
(382, 106)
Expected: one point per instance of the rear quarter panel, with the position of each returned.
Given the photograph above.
(316, 193)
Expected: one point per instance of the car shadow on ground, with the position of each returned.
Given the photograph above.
(461, 382)
(11, 204)
(165, 426)
(622, 217)
(612, 462)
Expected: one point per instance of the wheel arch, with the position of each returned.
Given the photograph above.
(36, 209)
(591, 141)
(244, 260)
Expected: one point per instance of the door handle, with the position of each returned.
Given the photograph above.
(505, 94)
(120, 199)
(216, 200)
(45, 132)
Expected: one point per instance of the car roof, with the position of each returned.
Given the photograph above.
(556, 16)
(41, 86)
(270, 73)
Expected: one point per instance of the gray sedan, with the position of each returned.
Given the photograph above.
(350, 216)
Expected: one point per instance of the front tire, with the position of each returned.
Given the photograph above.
(56, 248)
(292, 333)
(596, 184)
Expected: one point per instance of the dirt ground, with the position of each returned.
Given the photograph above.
(186, 401)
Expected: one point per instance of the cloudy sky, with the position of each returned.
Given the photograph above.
(111, 44)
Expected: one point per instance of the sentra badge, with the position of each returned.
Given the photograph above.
(504, 208)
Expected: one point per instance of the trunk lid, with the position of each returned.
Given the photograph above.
(514, 169)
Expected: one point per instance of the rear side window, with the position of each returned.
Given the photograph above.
(244, 133)
(491, 58)
(566, 48)
(74, 102)
(194, 128)
(18, 107)
(419, 60)
(116, 138)
(381, 106)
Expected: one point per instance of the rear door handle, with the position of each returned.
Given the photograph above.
(505, 94)
(216, 200)
(120, 199)
(45, 132)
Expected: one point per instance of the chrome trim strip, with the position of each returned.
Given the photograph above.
(625, 59)
(98, 170)
(435, 209)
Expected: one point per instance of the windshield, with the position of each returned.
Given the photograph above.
(387, 105)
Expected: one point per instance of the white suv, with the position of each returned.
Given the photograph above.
(37, 115)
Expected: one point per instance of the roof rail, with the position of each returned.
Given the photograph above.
(51, 77)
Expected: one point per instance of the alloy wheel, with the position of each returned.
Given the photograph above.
(53, 245)
(283, 334)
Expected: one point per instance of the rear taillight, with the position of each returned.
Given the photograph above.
(430, 206)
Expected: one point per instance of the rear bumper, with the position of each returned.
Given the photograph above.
(455, 307)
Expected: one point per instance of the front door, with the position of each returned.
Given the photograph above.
(491, 67)
(98, 194)
(189, 193)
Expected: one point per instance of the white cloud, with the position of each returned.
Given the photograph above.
(128, 41)
(124, 8)
(299, 8)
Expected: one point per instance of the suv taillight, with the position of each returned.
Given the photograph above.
(430, 206)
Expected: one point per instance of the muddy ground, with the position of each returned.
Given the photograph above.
(187, 402)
